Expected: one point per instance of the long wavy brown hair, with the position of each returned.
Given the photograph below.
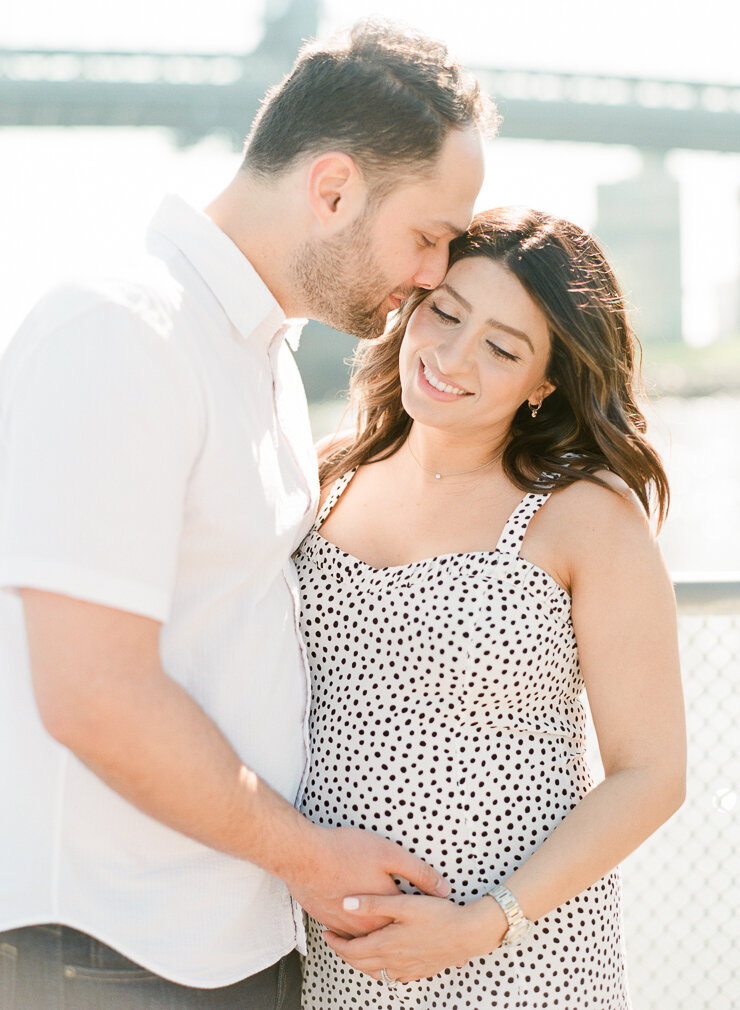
(591, 422)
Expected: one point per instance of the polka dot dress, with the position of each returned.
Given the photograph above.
(446, 716)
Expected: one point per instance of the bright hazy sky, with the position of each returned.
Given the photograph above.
(659, 37)
(105, 184)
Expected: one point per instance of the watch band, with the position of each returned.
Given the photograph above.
(519, 924)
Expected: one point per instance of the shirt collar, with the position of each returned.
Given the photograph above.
(241, 292)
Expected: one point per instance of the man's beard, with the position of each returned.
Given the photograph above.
(341, 283)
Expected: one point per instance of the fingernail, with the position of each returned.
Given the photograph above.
(443, 888)
(351, 904)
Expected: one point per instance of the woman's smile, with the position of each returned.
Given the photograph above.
(479, 340)
(438, 386)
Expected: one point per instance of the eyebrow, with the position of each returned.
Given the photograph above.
(495, 323)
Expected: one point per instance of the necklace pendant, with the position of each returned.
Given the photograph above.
(437, 476)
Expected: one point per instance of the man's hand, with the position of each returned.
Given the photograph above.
(347, 861)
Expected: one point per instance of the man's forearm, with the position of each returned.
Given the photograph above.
(156, 747)
(102, 692)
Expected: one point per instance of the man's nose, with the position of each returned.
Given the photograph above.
(433, 267)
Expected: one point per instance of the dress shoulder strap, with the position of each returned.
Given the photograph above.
(335, 493)
(512, 535)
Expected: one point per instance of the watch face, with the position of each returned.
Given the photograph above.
(518, 933)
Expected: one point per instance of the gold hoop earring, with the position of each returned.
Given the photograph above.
(534, 408)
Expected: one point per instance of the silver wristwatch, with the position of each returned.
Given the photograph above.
(519, 925)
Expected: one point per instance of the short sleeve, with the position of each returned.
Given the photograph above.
(101, 428)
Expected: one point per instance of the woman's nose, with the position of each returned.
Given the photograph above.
(452, 353)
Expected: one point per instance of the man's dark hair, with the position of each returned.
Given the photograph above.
(382, 93)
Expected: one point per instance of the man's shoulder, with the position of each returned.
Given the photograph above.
(146, 293)
(123, 328)
(105, 316)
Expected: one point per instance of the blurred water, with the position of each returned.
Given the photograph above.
(698, 439)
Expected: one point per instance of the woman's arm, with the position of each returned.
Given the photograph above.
(625, 623)
(624, 616)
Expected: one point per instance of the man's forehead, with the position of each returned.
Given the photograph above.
(430, 205)
(448, 227)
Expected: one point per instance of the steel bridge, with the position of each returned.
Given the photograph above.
(197, 94)
(194, 95)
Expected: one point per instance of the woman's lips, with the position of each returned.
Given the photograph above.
(433, 392)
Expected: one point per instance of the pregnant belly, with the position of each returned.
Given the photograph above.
(472, 809)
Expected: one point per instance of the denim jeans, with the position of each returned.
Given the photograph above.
(57, 968)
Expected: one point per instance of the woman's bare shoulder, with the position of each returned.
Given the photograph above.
(589, 514)
(588, 527)
(330, 443)
(613, 493)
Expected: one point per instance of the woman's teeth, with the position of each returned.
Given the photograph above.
(443, 387)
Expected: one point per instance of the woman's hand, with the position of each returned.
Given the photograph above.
(425, 935)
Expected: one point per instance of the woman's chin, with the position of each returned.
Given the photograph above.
(416, 410)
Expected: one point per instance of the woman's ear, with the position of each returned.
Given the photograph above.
(335, 189)
(542, 391)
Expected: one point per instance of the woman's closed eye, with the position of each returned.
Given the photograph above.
(446, 318)
(501, 353)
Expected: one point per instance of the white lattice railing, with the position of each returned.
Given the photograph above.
(682, 888)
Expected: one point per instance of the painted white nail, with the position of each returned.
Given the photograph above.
(351, 904)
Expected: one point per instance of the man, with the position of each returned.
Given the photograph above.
(157, 473)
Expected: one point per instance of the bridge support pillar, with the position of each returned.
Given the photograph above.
(638, 224)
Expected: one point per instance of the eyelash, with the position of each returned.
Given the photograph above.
(500, 353)
(449, 320)
(426, 243)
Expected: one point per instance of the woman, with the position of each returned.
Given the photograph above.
(483, 553)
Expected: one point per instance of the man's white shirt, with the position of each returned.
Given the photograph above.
(156, 457)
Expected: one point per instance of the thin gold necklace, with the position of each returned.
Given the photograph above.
(460, 473)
